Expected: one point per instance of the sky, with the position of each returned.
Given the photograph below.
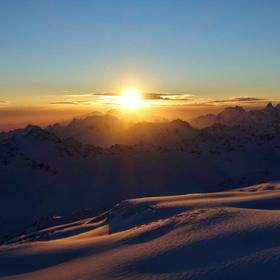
(64, 52)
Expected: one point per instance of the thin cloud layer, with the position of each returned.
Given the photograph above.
(154, 98)
(244, 99)
(69, 102)
(63, 103)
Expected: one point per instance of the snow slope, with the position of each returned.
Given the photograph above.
(226, 235)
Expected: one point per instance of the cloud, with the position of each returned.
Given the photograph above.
(111, 97)
(106, 94)
(152, 96)
(244, 99)
(63, 103)
(166, 96)
(149, 96)
(70, 102)
(248, 99)
(155, 98)
(179, 97)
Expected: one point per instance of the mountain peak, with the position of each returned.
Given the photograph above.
(269, 106)
(33, 129)
(32, 126)
(113, 112)
(180, 122)
(232, 112)
(38, 133)
(235, 109)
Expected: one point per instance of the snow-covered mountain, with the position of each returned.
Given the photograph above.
(44, 176)
(225, 235)
(107, 130)
(270, 115)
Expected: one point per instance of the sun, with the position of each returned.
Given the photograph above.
(130, 99)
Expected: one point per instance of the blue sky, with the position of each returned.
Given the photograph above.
(218, 48)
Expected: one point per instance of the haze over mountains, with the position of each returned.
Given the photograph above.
(108, 129)
(72, 171)
(106, 198)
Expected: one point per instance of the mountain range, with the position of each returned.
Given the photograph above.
(237, 115)
(63, 172)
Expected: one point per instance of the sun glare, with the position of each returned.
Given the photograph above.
(130, 99)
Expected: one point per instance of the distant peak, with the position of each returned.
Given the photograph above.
(32, 129)
(232, 111)
(269, 106)
(113, 112)
(35, 130)
(38, 133)
(31, 126)
(179, 122)
(54, 126)
(236, 108)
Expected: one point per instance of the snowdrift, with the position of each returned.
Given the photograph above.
(225, 235)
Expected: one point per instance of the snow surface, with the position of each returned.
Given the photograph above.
(225, 235)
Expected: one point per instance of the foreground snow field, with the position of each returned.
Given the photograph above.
(226, 235)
